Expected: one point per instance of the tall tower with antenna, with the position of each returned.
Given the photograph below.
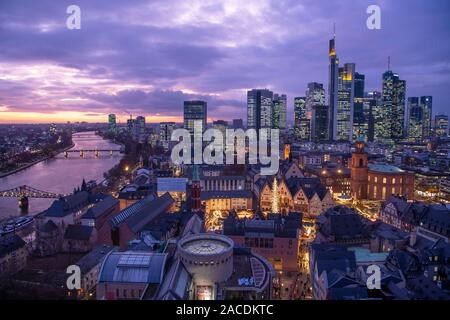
(333, 73)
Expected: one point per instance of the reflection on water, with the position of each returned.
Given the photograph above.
(60, 174)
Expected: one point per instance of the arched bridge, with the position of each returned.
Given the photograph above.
(95, 151)
(24, 192)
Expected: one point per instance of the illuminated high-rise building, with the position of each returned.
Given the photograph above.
(259, 108)
(441, 125)
(315, 95)
(165, 133)
(195, 117)
(302, 124)
(371, 105)
(315, 106)
(393, 109)
(344, 113)
(333, 71)
(361, 110)
(426, 103)
(375, 99)
(414, 120)
(112, 122)
(279, 107)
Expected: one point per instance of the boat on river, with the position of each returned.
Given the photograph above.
(15, 225)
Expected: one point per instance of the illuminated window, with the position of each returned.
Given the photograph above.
(393, 180)
(384, 180)
(375, 191)
(376, 179)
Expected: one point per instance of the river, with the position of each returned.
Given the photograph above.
(60, 174)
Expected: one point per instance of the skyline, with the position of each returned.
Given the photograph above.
(50, 73)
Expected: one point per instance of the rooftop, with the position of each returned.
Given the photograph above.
(78, 232)
(385, 168)
(206, 244)
(10, 244)
(364, 255)
(100, 207)
(133, 267)
(93, 258)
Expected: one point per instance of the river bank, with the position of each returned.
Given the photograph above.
(25, 166)
(59, 174)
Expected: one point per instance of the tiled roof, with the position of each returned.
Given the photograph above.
(101, 207)
(133, 209)
(78, 232)
(343, 223)
(67, 205)
(156, 207)
(49, 226)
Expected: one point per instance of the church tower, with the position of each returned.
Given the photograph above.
(360, 172)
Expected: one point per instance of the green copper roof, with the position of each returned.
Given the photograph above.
(386, 168)
(195, 175)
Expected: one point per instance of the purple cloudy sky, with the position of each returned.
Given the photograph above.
(148, 56)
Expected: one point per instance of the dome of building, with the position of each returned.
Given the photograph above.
(208, 257)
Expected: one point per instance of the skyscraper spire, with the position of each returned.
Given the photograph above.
(389, 63)
(334, 30)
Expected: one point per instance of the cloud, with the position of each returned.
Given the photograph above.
(150, 56)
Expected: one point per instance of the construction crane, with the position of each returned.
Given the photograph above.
(129, 113)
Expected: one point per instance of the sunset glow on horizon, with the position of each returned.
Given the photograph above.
(149, 57)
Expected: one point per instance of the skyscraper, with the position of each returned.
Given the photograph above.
(346, 91)
(333, 65)
(393, 106)
(279, 107)
(238, 124)
(426, 102)
(222, 126)
(315, 111)
(319, 123)
(112, 122)
(165, 133)
(375, 98)
(130, 124)
(139, 129)
(315, 95)
(259, 108)
(140, 124)
(361, 110)
(195, 117)
(302, 124)
(441, 125)
(414, 120)
(371, 107)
